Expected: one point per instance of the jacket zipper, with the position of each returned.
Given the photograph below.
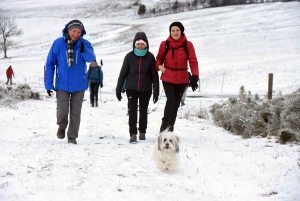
(139, 75)
(67, 58)
(76, 56)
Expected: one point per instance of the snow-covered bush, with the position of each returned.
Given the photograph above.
(249, 116)
(10, 96)
(192, 112)
(3, 92)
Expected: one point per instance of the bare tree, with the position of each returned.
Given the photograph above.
(8, 28)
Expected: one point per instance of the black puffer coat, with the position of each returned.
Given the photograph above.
(139, 72)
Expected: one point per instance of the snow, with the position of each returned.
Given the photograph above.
(236, 46)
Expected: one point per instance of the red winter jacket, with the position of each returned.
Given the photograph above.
(176, 61)
(9, 72)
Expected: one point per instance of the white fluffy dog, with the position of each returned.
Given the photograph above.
(166, 151)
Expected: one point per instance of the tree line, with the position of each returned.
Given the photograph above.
(176, 7)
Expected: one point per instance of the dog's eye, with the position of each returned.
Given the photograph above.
(170, 140)
(165, 140)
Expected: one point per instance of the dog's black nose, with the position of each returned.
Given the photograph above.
(167, 144)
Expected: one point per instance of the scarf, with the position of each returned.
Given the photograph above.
(70, 52)
(139, 52)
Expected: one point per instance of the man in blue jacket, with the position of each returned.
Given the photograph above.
(67, 59)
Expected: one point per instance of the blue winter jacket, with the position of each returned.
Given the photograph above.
(95, 74)
(68, 78)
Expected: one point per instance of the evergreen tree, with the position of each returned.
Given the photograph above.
(175, 6)
(195, 3)
(142, 9)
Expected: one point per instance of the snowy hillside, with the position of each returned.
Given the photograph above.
(235, 45)
(229, 41)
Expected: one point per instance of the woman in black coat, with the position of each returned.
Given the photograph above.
(141, 77)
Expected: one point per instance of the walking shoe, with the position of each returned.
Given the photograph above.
(61, 133)
(96, 103)
(92, 104)
(142, 136)
(132, 139)
(72, 140)
(164, 126)
(171, 128)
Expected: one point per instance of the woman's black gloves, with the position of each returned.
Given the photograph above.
(119, 97)
(194, 82)
(155, 98)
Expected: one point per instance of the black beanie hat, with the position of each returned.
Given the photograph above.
(75, 24)
(178, 24)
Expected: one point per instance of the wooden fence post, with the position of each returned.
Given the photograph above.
(270, 86)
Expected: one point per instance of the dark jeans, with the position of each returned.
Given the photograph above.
(69, 103)
(135, 97)
(174, 94)
(94, 88)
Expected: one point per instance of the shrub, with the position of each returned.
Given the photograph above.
(10, 96)
(200, 113)
(249, 116)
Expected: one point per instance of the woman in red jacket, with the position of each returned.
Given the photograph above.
(9, 74)
(173, 63)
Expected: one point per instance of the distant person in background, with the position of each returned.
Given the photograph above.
(174, 67)
(67, 59)
(9, 75)
(139, 71)
(95, 79)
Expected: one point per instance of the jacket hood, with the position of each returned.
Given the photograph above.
(65, 31)
(140, 35)
(94, 66)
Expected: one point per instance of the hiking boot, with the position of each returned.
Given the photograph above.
(96, 103)
(164, 126)
(61, 133)
(142, 136)
(71, 140)
(92, 104)
(171, 128)
(132, 139)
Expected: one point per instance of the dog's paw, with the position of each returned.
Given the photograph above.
(167, 166)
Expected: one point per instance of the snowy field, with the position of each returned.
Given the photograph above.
(235, 45)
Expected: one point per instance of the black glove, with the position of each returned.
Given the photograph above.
(101, 62)
(119, 97)
(155, 98)
(194, 82)
(49, 92)
(81, 48)
(101, 84)
(123, 90)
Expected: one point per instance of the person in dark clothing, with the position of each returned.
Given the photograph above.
(141, 76)
(174, 67)
(95, 79)
(9, 75)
